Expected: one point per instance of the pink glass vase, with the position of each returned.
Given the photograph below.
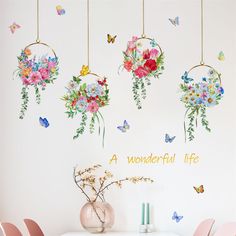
(97, 217)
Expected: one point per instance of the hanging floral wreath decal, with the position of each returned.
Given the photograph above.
(87, 98)
(144, 59)
(35, 72)
(197, 97)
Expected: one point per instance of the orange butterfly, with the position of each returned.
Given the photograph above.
(199, 189)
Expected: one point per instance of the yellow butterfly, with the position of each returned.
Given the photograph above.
(221, 56)
(199, 189)
(111, 39)
(85, 70)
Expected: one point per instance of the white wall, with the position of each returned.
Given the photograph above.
(36, 164)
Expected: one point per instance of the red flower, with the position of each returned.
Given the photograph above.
(141, 72)
(73, 102)
(146, 54)
(128, 65)
(150, 65)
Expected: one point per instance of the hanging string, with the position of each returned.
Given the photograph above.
(202, 35)
(143, 19)
(37, 39)
(88, 35)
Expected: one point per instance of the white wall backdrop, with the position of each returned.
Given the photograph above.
(36, 164)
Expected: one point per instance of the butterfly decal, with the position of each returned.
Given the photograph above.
(43, 122)
(14, 27)
(84, 70)
(176, 217)
(153, 43)
(185, 78)
(111, 39)
(169, 139)
(174, 21)
(221, 56)
(60, 10)
(124, 127)
(199, 189)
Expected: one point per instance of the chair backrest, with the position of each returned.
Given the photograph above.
(9, 229)
(227, 229)
(204, 228)
(33, 228)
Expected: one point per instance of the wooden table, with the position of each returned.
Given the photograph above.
(122, 234)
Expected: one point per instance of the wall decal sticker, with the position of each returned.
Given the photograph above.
(123, 128)
(35, 71)
(87, 98)
(199, 93)
(221, 56)
(60, 10)
(176, 217)
(43, 122)
(111, 39)
(199, 189)
(169, 139)
(197, 97)
(144, 59)
(13, 27)
(174, 21)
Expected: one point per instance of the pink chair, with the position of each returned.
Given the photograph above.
(33, 228)
(204, 228)
(228, 229)
(9, 229)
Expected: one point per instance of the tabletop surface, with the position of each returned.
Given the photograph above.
(121, 234)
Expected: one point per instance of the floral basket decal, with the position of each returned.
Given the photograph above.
(35, 72)
(87, 98)
(144, 59)
(197, 97)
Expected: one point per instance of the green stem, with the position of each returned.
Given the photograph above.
(37, 95)
(92, 123)
(204, 121)
(136, 93)
(104, 129)
(81, 129)
(25, 100)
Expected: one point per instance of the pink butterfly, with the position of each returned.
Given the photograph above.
(14, 27)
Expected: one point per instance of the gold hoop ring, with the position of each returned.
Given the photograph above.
(208, 66)
(144, 37)
(44, 44)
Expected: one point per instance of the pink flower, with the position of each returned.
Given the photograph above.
(44, 73)
(132, 43)
(146, 54)
(51, 64)
(92, 107)
(154, 53)
(25, 81)
(35, 77)
(128, 65)
(141, 72)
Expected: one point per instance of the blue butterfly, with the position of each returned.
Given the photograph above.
(175, 21)
(169, 139)
(185, 78)
(176, 217)
(44, 122)
(153, 43)
(124, 127)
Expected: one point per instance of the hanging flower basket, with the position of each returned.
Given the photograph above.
(197, 97)
(35, 72)
(144, 59)
(86, 99)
